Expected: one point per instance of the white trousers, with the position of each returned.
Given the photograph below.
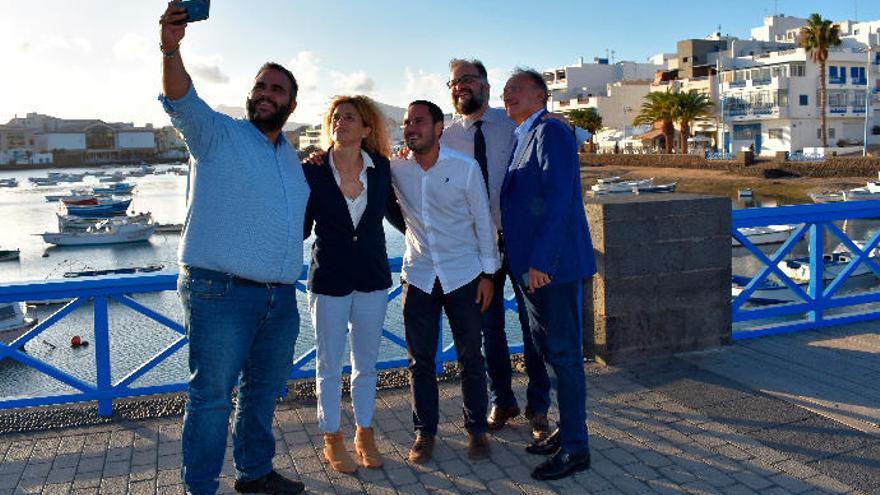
(361, 315)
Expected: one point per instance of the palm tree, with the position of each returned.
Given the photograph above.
(586, 118)
(688, 107)
(659, 107)
(816, 37)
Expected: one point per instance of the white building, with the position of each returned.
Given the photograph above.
(311, 137)
(572, 86)
(77, 140)
(770, 101)
(618, 107)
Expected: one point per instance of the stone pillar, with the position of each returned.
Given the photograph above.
(663, 281)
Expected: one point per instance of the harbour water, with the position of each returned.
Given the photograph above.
(133, 337)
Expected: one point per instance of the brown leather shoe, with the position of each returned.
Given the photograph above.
(422, 450)
(478, 446)
(540, 426)
(500, 415)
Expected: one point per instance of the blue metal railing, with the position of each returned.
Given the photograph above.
(815, 304)
(100, 290)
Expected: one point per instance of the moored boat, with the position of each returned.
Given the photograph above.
(105, 233)
(105, 207)
(769, 234)
(9, 254)
(14, 321)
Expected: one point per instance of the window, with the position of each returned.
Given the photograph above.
(857, 74)
(798, 70)
(804, 100)
(774, 133)
(832, 71)
(830, 133)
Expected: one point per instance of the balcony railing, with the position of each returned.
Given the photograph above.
(789, 305)
(106, 386)
(738, 84)
(837, 109)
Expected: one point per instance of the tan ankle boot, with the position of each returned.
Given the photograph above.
(365, 447)
(336, 455)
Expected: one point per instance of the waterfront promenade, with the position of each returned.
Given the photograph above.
(794, 413)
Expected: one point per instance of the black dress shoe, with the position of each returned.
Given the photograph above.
(272, 484)
(560, 465)
(546, 446)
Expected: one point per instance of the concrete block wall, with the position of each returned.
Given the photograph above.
(663, 281)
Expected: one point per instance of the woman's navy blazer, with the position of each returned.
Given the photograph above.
(346, 257)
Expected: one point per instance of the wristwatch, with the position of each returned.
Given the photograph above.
(487, 276)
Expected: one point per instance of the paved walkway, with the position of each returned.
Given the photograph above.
(779, 415)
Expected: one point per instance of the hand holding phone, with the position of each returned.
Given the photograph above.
(196, 10)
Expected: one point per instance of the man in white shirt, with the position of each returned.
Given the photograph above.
(448, 266)
(486, 133)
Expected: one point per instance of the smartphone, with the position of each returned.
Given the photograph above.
(196, 10)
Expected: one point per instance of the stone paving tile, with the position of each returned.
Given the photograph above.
(676, 429)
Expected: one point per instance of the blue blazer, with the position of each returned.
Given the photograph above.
(542, 207)
(346, 257)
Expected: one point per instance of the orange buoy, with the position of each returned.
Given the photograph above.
(75, 341)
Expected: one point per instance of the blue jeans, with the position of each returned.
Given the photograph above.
(240, 332)
(497, 352)
(558, 337)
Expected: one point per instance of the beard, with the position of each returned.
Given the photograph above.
(472, 104)
(273, 122)
(420, 144)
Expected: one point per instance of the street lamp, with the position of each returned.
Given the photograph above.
(625, 121)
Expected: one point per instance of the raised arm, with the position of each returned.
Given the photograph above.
(175, 80)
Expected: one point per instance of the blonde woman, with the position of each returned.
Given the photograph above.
(349, 276)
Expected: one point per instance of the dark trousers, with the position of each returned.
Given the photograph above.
(556, 331)
(498, 354)
(421, 320)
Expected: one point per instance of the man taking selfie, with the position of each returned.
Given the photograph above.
(239, 256)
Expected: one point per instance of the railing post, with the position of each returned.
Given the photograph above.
(817, 270)
(102, 355)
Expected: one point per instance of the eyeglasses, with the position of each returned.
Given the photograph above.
(465, 79)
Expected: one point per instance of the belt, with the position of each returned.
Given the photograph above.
(243, 282)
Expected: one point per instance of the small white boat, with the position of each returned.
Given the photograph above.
(769, 234)
(9, 254)
(869, 191)
(71, 223)
(103, 233)
(14, 321)
(10, 182)
(827, 197)
(798, 269)
(613, 185)
(768, 292)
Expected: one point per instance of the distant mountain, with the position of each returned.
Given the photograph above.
(240, 112)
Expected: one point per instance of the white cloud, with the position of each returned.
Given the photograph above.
(133, 47)
(53, 43)
(205, 68)
(421, 85)
(306, 68)
(354, 82)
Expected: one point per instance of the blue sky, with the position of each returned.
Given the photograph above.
(91, 59)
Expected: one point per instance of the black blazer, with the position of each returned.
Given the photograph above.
(345, 258)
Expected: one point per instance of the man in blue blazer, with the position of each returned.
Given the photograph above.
(550, 254)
